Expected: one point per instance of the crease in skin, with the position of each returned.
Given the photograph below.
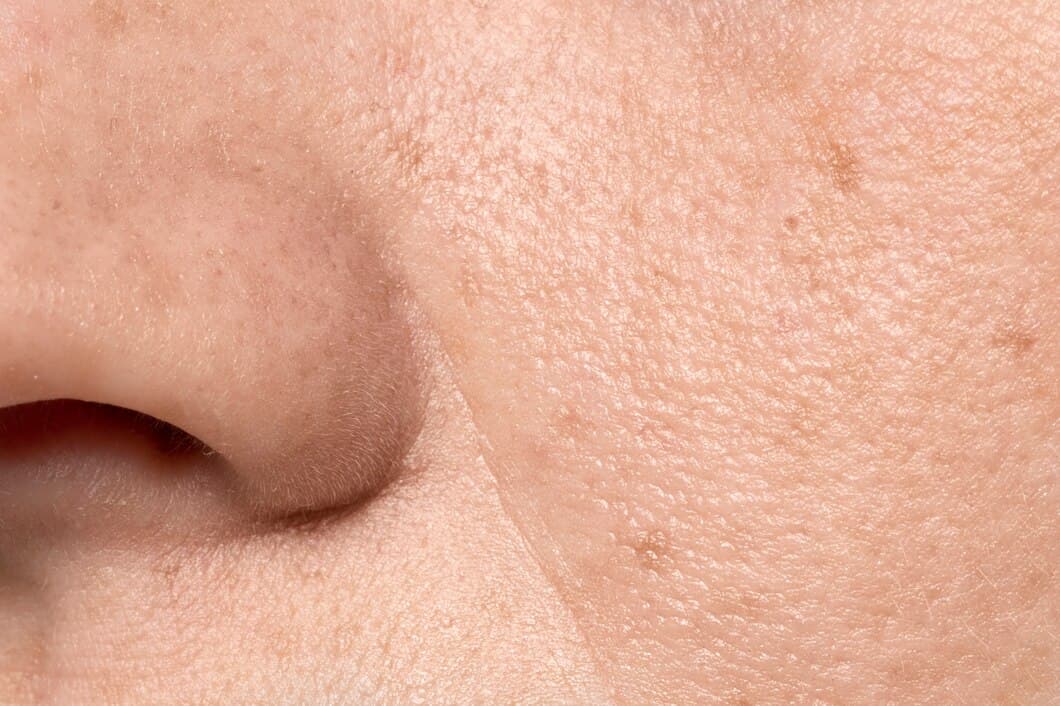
(767, 370)
(432, 347)
(442, 359)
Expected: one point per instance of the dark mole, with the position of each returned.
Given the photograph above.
(843, 167)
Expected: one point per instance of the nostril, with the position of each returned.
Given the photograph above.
(81, 476)
(90, 470)
(96, 466)
(30, 428)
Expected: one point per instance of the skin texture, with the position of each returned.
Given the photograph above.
(546, 352)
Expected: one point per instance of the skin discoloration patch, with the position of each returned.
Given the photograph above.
(1018, 341)
(651, 549)
(109, 17)
(844, 168)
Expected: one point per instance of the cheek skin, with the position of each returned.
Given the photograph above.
(588, 352)
(786, 352)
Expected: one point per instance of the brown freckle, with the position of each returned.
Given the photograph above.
(1015, 340)
(57, 204)
(791, 223)
(651, 548)
(634, 214)
(109, 17)
(469, 288)
(168, 572)
(569, 422)
(540, 179)
(664, 280)
(257, 45)
(844, 167)
(457, 350)
(408, 150)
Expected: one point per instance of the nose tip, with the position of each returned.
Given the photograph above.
(216, 309)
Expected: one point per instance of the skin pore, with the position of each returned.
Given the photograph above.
(545, 352)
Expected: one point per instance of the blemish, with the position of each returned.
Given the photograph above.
(109, 17)
(1015, 340)
(569, 422)
(469, 288)
(651, 548)
(844, 168)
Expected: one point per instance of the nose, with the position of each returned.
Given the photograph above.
(249, 306)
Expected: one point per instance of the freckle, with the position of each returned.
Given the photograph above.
(650, 548)
(791, 223)
(257, 45)
(159, 8)
(109, 17)
(1015, 340)
(634, 214)
(569, 422)
(458, 350)
(469, 288)
(57, 204)
(844, 167)
(540, 179)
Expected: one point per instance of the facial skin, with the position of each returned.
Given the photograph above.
(573, 352)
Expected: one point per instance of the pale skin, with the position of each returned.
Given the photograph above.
(549, 352)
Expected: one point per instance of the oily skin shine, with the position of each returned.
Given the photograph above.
(552, 352)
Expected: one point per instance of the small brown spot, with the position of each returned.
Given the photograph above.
(408, 150)
(651, 548)
(159, 9)
(844, 167)
(1015, 340)
(109, 17)
(57, 204)
(634, 214)
(470, 291)
(569, 423)
(791, 223)
(664, 280)
(537, 177)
